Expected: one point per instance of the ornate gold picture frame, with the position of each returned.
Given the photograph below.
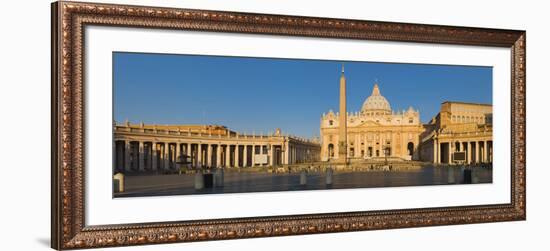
(69, 230)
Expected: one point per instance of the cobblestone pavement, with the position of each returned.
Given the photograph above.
(235, 182)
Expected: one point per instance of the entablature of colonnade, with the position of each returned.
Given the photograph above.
(464, 139)
(203, 140)
(476, 135)
(302, 143)
(186, 137)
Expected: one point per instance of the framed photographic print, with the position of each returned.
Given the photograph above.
(176, 125)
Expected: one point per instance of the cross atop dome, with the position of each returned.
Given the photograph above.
(375, 90)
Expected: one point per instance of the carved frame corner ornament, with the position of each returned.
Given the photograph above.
(68, 226)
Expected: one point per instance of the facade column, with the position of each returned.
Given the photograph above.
(127, 156)
(209, 155)
(236, 162)
(141, 156)
(365, 146)
(218, 155)
(199, 155)
(166, 156)
(357, 145)
(245, 156)
(227, 155)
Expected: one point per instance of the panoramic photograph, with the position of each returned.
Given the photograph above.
(197, 124)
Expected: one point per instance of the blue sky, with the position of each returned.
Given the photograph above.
(261, 94)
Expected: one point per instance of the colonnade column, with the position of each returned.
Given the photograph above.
(187, 151)
(141, 156)
(435, 151)
(245, 156)
(469, 157)
(286, 157)
(438, 157)
(154, 156)
(294, 155)
(482, 154)
(218, 155)
(253, 154)
(119, 156)
(236, 158)
(209, 155)
(199, 155)
(166, 156)
(178, 153)
(490, 152)
(486, 152)
(450, 151)
(291, 154)
(272, 156)
(127, 155)
(115, 157)
(227, 156)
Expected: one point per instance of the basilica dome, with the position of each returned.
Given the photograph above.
(376, 103)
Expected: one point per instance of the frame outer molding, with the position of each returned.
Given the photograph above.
(67, 177)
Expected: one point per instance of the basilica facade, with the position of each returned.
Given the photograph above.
(374, 132)
(459, 132)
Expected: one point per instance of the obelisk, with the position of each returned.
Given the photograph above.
(343, 119)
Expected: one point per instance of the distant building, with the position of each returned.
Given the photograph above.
(141, 147)
(377, 132)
